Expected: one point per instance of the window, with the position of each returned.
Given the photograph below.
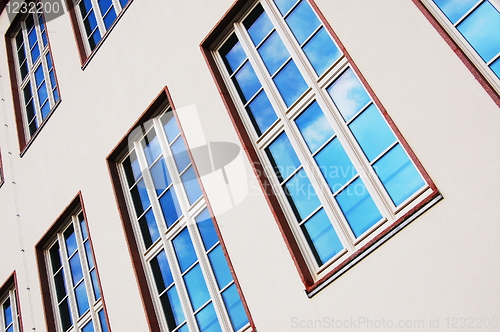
(10, 320)
(475, 27)
(1, 170)
(68, 271)
(189, 277)
(32, 73)
(342, 175)
(95, 18)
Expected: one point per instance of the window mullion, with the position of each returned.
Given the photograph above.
(68, 278)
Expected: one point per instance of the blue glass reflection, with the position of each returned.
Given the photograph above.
(234, 307)
(348, 94)
(358, 207)
(35, 52)
(399, 176)
(170, 126)
(39, 75)
(273, 53)
(89, 327)
(161, 271)
(314, 127)
(321, 51)
(76, 269)
(246, 81)
(301, 195)
(170, 207)
(283, 157)
(335, 165)
(109, 18)
(207, 229)
(184, 250)
(207, 320)
(262, 113)
(234, 57)
(322, 237)
(455, 9)
(220, 267)
(175, 305)
(160, 176)
(95, 284)
(151, 147)
(260, 28)
(42, 94)
(7, 312)
(104, 324)
(132, 168)
(196, 287)
(284, 5)
(181, 155)
(495, 66)
(290, 83)
(482, 30)
(140, 197)
(191, 185)
(88, 252)
(82, 300)
(70, 240)
(149, 229)
(372, 132)
(302, 21)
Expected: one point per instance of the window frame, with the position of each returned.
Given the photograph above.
(8, 291)
(459, 44)
(143, 255)
(313, 277)
(25, 138)
(84, 49)
(54, 236)
(2, 177)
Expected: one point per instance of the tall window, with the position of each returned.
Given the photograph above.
(95, 18)
(74, 288)
(9, 314)
(475, 26)
(341, 173)
(34, 73)
(186, 266)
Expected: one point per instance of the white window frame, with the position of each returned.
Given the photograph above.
(95, 306)
(187, 220)
(316, 91)
(462, 42)
(12, 296)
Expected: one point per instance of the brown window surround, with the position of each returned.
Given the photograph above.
(78, 33)
(312, 286)
(2, 180)
(24, 143)
(112, 159)
(10, 283)
(40, 249)
(494, 94)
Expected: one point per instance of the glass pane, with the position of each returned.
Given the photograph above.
(95, 284)
(83, 226)
(284, 5)
(207, 230)
(258, 25)
(85, 7)
(161, 271)
(109, 18)
(399, 176)
(181, 156)
(27, 94)
(482, 30)
(322, 237)
(191, 185)
(24, 69)
(104, 323)
(140, 197)
(172, 308)
(372, 132)
(273, 52)
(132, 168)
(455, 9)
(335, 165)
(246, 82)
(348, 94)
(314, 127)
(90, 23)
(70, 240)
(42, 94)
(39, 77)
(290, 83)
(321, 51)
(302, 21)
(45, 109)
(21, 55)
(76, 268)
(151, 147)
(495, 66)
(261, 113)
(88, 251)
(60, 285)
(160, 176)
(55, 258)
(66, 319)
(94, 39)
(170, 207)
(301, 195)
(81, 299)
(170, 126)
(233, 54)
(184, 250)
(358, 207)
(35, 52)
(7, 312)
(220, 267)
(149, 229)
(32, 37)
(89, 327)
(104, 6)
(207, 320)
(196, 287)
(234, 307)
(124, 2)
(283, 157)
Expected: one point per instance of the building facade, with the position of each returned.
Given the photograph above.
(271, 165)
